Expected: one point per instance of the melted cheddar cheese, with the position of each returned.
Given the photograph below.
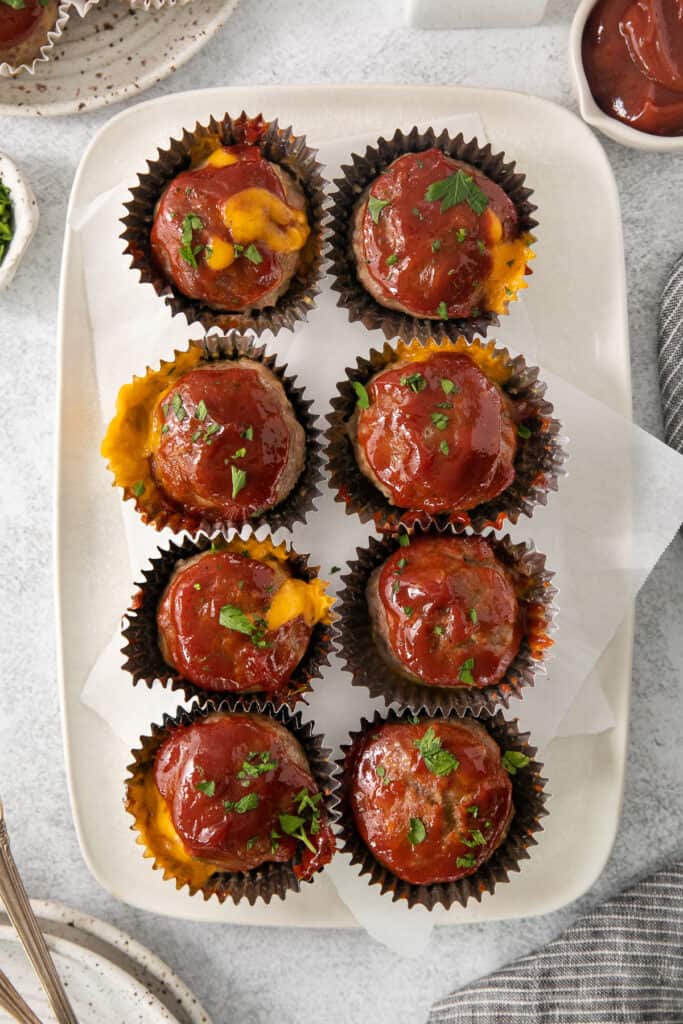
(490, 362)
(256, 215)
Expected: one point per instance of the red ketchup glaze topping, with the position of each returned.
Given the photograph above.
(633, 59)
(227, 779)
(423, 255)
(227, 445)
(219, 657)
(16, 23)
(202, 192)
(426, 826)
(450, 613)
(438, 434)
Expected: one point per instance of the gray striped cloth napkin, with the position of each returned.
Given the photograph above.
(671, 356)
(621, 964)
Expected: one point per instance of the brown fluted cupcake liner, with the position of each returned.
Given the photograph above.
(160, 511)
(278, 145)
(364, 656)
(144, 660)
(271, 878)
(538, 462)
(363, 170)
(529, 799)
(52, 37)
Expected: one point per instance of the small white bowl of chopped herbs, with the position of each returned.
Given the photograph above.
(18, 219)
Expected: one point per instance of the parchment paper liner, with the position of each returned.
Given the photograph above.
(144, 660)
(363, 170)
(45, 53)
(271, 878)
(538, 462)
(529, 799)
(300, 500)
(363, 656)
(278, 145)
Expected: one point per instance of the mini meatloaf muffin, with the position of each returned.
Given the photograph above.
(228, 442)
(431, 800)
(436, 434)
(233, 621)
(239, 792)
(435, 238)
(444, 612)
(231, 231)
(24, 25)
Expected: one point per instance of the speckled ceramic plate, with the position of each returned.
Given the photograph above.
(109, 977)
(111, 53)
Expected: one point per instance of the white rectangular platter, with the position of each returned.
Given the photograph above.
(577, 300)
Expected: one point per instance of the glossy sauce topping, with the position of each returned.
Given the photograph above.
(221, 231)
(633, 58)
(450, 611)
(240, 792)
(17, 23)
(215, 627)
(432, 801)
(430, 228)
(223, 440)
(438, 434)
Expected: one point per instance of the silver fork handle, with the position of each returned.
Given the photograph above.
(13, 895)
(12, 1002)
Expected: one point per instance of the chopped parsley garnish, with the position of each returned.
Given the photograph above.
(408, 611)
(212, 429)
(473, 809)
(468, 861)
(295, 824)
(197, 586)
(274, 845)
(477, 839)
(442, 310)
(375, 207)
(248, 433)
(508, 291)
(417, 833)
(510, 263)
(201, 411)
(523, 431)
(178, 408)
(191, 223)
(413, 719)
(461, 234)
(197, 434)
(257, 763)
(438, 630)
(465, 673)
(414, 381)
(240, 453)
(443, 447)
(402, 563)
(440, 420)
(437, 760)
(206, 786)
(447, 386)
(239, 480)
(474, 618)
(394, 586)
(362, 398)
(404, 540)
(480, 246)
(417, 213)
(232, 617)
(436, 245)
(334, 568)
(6, 219)
(138, 488)
(514, 759)
(381, 773)
(392, 259)
(244, 804)
(252, 842)
(457, 188)
(252, 254)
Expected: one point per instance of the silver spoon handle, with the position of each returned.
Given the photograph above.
(12, 1002)
(13, 895)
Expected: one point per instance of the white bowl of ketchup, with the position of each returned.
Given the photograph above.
(647, 13)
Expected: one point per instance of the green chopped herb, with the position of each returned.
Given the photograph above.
(414, 381)
(334, 568)
(252, 254)
(473, 616)
(461, 234)
(514, 759)
(197, 434)
(448, 386)
(257, 763)
(438, 631)
(201, 411)
(248, 433)
(375, 207)
(413, 719)
(191, 223)
(477, 839)
(442, 310)
(139, 488)
(293, 825)
(206, 786)
(510, 263)
(465, 673)
(232, 617)
(208, 252)
(249, 802)
(457, 188)
(381, 773)
(419, 163)
(6, 220)
(165, 428)
(363, 400)
(210, 430)
(417, 833)
(468, 861)
(508, 291)
(417, 213)
(440, 420)
(391, 260)
(402, 563)
(437, 760)
(239, 249)
(251, 842)
(197, 586)
(274, 845)
(240, 453)
(394, 587)
(404, 540)
(239, 480)
(443, 447)
(17, 5)
(408, 610)
(480, 246)
(436, 245)
(178, 407)
(523, 431)
(473, 809)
